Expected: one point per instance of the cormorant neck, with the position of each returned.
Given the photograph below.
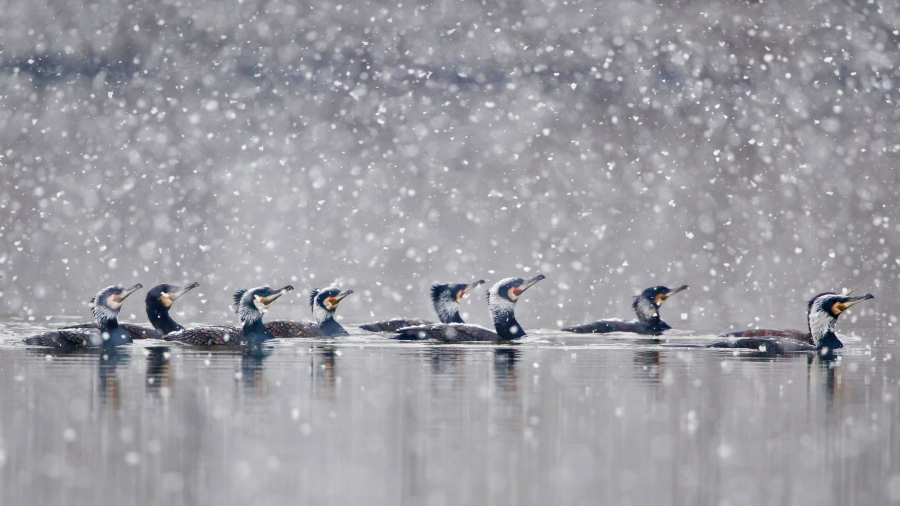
(255, 331)
(108, 324)
(655, 324)
(645, 310)
(821, 329)
(331, 327)
(161, 321)
(447, 308)
(503, 313)
(113, 334)
(322, 315)
(454, 318)
(829, 341)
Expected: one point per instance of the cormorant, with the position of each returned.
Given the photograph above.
(159, 299)
(501, 299)
(646, 307)
(323, 303)
(250, 305)
(445, 298)
(105, 306)
(822, 313)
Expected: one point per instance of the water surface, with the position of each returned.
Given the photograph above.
(560, 419)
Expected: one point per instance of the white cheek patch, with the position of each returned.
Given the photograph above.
(260, 305)
(112, 302)
(512, 295)
(165, 300)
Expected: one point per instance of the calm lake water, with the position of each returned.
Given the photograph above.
(560, 419)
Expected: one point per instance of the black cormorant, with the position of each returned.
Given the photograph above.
(250, 305)
(822, 313)
(501, 300)
(105, 306)
(323, 303)
(445, 298)
(646, 307)
(158, 301)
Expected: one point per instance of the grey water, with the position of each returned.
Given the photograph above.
(557, 419)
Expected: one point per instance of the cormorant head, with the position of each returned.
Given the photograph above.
(646, 305)
(166, 295)
(823, 311)
(502, 299)
(446, 298)
(511, 289)
(106, 304)
(324, 302)
(251, 304)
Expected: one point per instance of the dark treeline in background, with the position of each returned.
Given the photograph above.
(747, 149)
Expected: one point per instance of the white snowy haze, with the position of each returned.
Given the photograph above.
(746, 149)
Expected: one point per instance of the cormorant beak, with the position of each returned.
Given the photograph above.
(339, 297)
(268, 299)
(124, 295)
(173, 296)
(840, 306)
(526, 285)
(467, 289)
(673, 292)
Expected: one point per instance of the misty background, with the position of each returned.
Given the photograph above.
(746, 149)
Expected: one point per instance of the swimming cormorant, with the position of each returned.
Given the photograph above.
(501, 300)
(646, 307)
(105, 306)
(250, 305)
(158, 301)
(822, 313)
(323, 303)
(445, 298)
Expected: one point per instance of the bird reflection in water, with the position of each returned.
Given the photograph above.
(505, 360)
(159, 371)
(108, 387)
(648, 365)
(251, 375)
(323, 368)
(445, 360)
(825, 370)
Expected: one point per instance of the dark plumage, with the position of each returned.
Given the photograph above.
(158, 301)
(394, 324)
(250, 305)
(822, 312)
(105, 306)
(501, 300)
(323, 303)
(646, 307)
(445, 298)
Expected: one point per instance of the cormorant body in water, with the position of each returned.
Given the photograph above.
(105, 306)
(822, 313)
(646, 307)
(159, 299)
(445, 298)
(501, 299)
(250, 305)
(323, 303)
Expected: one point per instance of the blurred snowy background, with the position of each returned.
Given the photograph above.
(747, 149)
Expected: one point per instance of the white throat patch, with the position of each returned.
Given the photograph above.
(820, 323)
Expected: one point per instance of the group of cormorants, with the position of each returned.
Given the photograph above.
(250, 305)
